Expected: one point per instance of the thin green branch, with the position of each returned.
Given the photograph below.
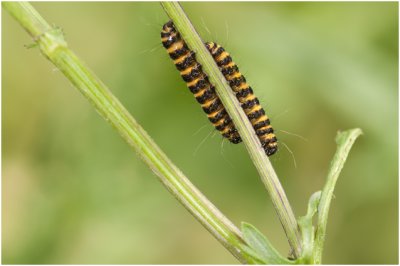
(28, 17)
(54, 47)
(242, 123)
(345, 141)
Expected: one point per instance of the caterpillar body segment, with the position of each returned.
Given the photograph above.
(246, 97)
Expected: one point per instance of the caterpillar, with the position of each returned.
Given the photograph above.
(245, 96)
(197, 82)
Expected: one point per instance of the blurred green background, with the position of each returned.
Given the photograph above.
(74, 192)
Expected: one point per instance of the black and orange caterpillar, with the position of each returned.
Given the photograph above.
(244, 94)
(198, 83)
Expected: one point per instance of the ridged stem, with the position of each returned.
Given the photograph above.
(53, 46)
(242, 123)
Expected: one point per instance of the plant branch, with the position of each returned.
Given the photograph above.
(53, 46)
(345, 141)
(242, 123)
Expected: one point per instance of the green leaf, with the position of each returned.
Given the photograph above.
(261, 246)
(248, 252)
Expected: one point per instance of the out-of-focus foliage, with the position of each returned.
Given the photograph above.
(73, 192)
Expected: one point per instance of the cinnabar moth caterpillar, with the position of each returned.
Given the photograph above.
(244, 94)
(198, 83)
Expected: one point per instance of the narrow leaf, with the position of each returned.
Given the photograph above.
(262, 247)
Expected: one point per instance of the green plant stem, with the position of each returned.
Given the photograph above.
(242, 123)
(345, 141)
(54, 47)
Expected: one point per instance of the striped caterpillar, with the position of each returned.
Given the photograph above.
(205, 94)
(244, 93)
(198, 83)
